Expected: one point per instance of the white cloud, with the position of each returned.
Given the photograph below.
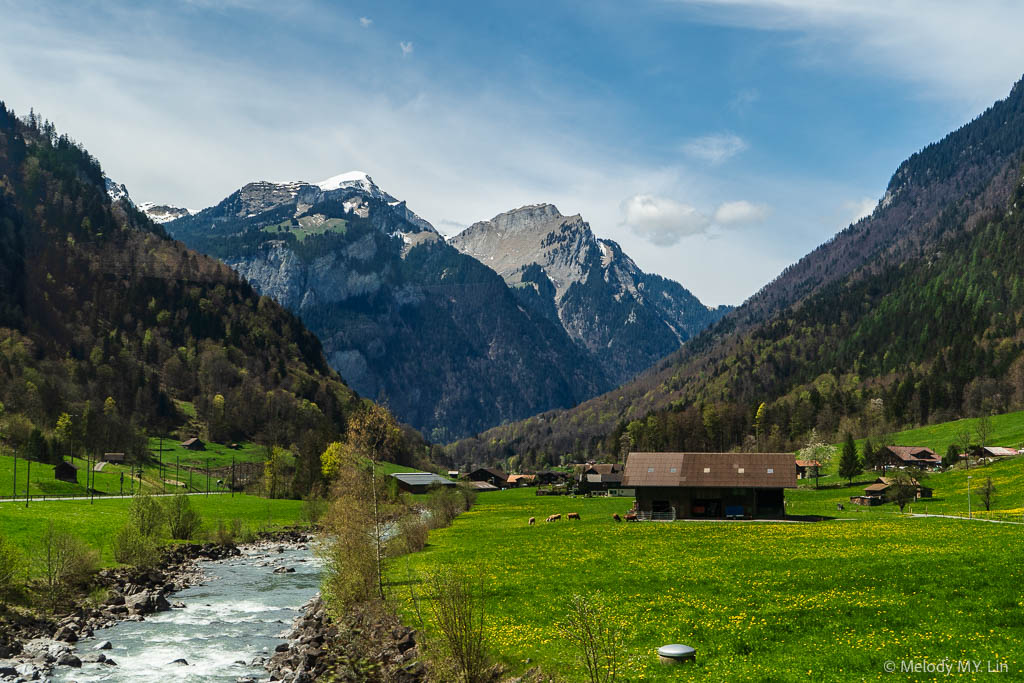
(663, 221)
(715, 148)
(740, 213)
(954, 50)
(855, 209)
(407, 47)
(365, 21)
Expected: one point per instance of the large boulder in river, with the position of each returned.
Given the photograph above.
(147, 602)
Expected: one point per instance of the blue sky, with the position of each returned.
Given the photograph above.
(718, 141)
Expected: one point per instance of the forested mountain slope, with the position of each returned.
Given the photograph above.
(105, 318)
(917, 307)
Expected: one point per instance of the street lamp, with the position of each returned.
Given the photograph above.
(970, 514)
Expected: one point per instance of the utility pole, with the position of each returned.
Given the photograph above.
(28, 478)
(376, 526)
(92, 489)
(207, 476)
(14, 483)
(232, 475)
(970, 515)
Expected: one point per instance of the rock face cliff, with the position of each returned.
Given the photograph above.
(626, 318)
(404, 317)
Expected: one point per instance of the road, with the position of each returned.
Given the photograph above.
(40, 499)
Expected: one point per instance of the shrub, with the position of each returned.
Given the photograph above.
(10, 566)
(412, 534)
(444, 505)
(182, 520)
(458, 610)
(144, 514)
(132, 547)
(313, 507)
(63, 562)
(228, 535)
(594, 637)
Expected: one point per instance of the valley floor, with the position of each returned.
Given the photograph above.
(832, 600)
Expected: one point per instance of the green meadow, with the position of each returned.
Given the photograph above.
(98, 521)
(760, 601)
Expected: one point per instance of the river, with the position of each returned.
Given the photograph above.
(240, 614)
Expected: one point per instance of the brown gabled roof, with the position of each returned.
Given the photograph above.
(808, 463)
(747, 470)
(493, 471)
(604, 468)
(513, 478)
(876, 488)
(999, 451)
(913, 453)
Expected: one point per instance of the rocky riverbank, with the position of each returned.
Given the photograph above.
(32, 645)
(369, 644)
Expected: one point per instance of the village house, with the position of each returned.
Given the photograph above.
(420, 482)
(601, 477)
(548, 477)
(874, 493)
(516, 480)
(909, 456)
(710, 485)
(116, 458)
(996, 452)
(807, 468)
(491, 475)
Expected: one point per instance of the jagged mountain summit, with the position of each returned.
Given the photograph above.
(163, 213)
(626, 318)
(403, 316)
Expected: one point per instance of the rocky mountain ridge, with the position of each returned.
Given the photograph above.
(626, 318)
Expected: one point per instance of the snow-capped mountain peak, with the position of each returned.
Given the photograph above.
(358, 179)
(116, 191)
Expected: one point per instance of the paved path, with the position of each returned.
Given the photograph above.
(968, 519)
(37, 498)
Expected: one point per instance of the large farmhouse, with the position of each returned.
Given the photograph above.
(909, 456)
(710, 485)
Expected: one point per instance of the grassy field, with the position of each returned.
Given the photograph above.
(1006, 430)
(215, 455)
(759, 601)
(96, 523)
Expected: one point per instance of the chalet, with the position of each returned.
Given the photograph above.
(807, 468)
(710, 485)
(491, 475)
(909, 456)
(116, 458)
(996, 452)
(874, 493)
(193, 444)
(420, 482)
(65, 471)
(515, 480)
(548, 477)
(601, 477)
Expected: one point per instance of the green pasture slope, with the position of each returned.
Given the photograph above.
(760, 601)
(97, 522)
(216, 455)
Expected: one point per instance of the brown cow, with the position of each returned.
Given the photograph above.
(631, 517)
(553, 518)
(573, 515)
(533, 520)
(616, 517)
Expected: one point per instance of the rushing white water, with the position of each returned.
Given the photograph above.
(242, 613)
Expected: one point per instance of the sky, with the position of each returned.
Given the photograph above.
(717, 141)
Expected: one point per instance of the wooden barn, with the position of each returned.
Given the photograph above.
(491, 475)
(65, 471)
(601, 477)
(193, 444)
(806, 469)
(710, 485)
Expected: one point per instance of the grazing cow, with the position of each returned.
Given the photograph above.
(616, 517)
(573, 515)
(631, 517)
(533, 520)
(553, 518)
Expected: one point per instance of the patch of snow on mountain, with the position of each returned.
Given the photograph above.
(350, 179)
